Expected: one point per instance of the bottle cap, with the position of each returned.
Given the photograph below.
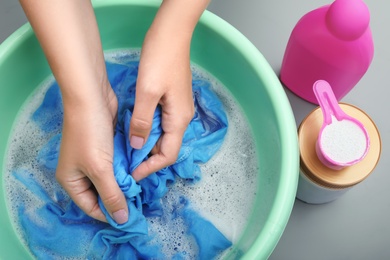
(348, 19)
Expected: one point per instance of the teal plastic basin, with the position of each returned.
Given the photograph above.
(221, 50)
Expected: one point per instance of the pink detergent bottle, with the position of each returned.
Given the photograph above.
(332, 43)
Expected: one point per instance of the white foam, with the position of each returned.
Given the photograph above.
(224, 196)
(343, 141)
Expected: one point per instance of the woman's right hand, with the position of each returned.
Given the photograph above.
(68, 33)
(85, 166)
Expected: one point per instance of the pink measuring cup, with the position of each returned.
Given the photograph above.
(343, 140)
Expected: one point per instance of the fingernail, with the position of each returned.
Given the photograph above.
(120, 216)
(136, 142)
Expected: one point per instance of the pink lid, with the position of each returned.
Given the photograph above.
(348, 19)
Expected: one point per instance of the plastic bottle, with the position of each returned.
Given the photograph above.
(334, 43)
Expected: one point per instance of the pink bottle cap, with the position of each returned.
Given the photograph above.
(348, 19)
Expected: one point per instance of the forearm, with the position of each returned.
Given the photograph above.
(176, 19)
(69, 36)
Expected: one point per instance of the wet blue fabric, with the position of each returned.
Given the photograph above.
(59, 219)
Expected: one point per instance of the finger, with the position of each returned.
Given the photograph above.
(166, 152)
(82, 192)
(111, 195)
(142, 118)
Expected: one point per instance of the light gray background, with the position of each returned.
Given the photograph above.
(357, 225)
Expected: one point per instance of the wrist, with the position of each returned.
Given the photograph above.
(86, 96)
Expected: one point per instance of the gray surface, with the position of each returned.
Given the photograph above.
(356, 226)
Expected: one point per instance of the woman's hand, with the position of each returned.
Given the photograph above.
(85, 164)
(68, 33)
(164, 79)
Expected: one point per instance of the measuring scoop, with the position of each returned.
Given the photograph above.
(343, 140)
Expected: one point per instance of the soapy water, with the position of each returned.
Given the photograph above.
(224, 195)
(343, 141)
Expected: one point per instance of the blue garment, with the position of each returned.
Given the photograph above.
(64, 221)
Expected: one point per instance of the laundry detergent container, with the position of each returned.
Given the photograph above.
(219, 49)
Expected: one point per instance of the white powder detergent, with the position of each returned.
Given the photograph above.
(224, 196)
(343, 141)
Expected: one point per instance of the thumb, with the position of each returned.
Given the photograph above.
(112, 196)
(142, 118)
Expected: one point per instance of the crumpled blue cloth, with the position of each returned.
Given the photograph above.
(60, 229)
